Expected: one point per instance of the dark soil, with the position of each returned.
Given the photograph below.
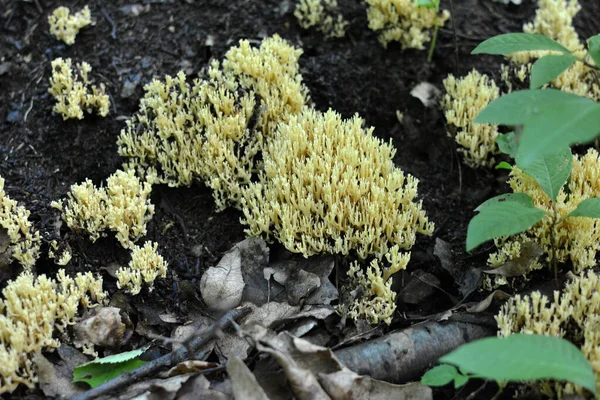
(41, 155)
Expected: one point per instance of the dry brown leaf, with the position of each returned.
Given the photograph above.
(348, 385)
(55, 381)
(485, 303)
(243, 382)
(221, 287)
(107, 328)
(530, 252)
(188, 367)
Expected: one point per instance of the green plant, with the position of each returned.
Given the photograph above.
(546, 122)
(518, 357)
(435, 4)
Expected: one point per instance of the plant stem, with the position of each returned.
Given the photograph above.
(553, 244)
(435, 32)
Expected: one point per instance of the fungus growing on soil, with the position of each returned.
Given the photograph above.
(212, 129)
(24, 240)
(32, 310)
(123, 206)
(73, 91)
(403, 21)
(464, 99)
(322, 15)
(145, 266)
(65, 26)
(573, 315)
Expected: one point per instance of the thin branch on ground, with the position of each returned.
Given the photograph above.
(193, 344)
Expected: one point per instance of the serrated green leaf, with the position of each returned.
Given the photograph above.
(550, 172)
(507, 143)
(97, 374)
(547, 68)
(504, 165)
(522, 357)
(520, 107)
(104, 369)
(587, 208)
(557, 127)
(594, 48)
(514, 42)
(502, 216)
(440, 375)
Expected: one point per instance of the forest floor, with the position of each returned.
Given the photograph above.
(41, 155)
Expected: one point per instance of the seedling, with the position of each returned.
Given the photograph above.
(547, 122)
(435, 4)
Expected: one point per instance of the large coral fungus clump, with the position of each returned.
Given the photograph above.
(573, 315)
(24, 240)
(464, 99)
(404, 21)
(575, 238)
(33, 309)
(212, 129)
(329, 186)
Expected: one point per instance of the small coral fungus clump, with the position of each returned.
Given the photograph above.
(72, 90)
(464, 99)
(145, 266)
(321, 14)
(573, 315)
(65, 26)
(329, 186)
(32, 310)
(575, 238)
(404, 21)
(212, 130)
(24, 240)
(123, 206)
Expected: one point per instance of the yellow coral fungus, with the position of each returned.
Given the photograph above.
(31, 311)
(573, 315)
(123, 207)
(329, 186)
(145, 266)
(24, 239)
(403, 21)
(213, 129)
(65, 26)
(72, 90)
(464, 99)
(322, 15)
(576, 238)
(376, 301)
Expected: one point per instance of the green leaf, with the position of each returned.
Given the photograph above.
(547, 68)
(514, 42)
(550, 172)
(428, 3)
(557, 127)
(504, 165)
(520, 107)
(104, 369)
(440, 375)
(594, 49)
(460, 380)
(520, 198)
(587, 208)
(507, 143)
(502, 215)
(522, 357)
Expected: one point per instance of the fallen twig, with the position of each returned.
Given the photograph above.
(193, 344)
(403, 356)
